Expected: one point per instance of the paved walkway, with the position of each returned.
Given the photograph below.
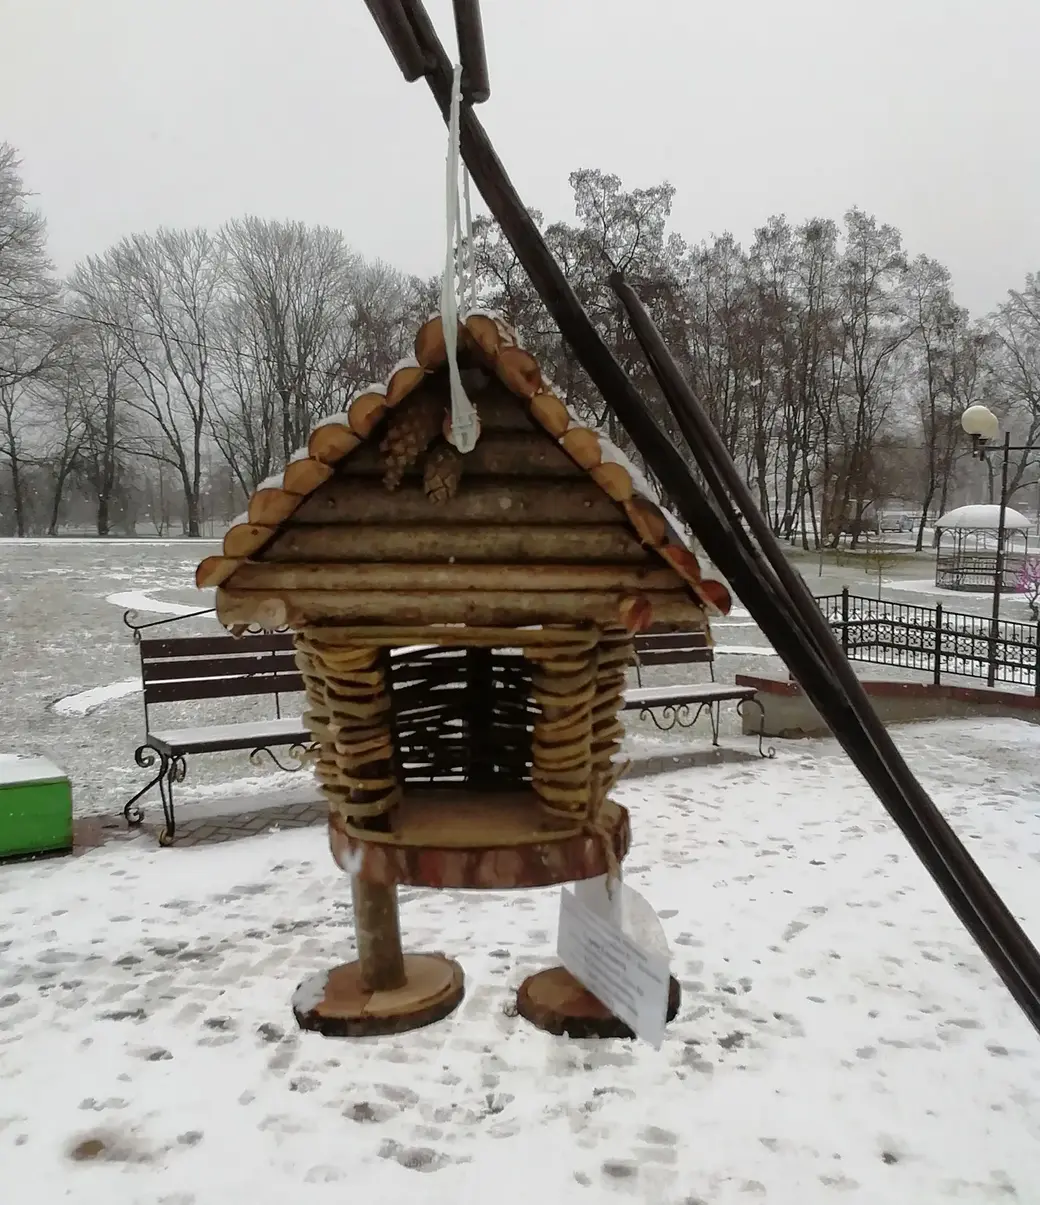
(217, 829)
(93, 831)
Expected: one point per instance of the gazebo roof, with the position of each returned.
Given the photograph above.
(984, 517)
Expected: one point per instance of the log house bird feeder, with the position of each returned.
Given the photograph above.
(463, 624)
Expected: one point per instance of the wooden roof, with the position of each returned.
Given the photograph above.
(305, 532)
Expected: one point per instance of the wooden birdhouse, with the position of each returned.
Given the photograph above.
(463, 625)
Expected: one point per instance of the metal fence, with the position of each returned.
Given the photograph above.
(934, 640)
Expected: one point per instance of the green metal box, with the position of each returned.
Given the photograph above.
(35, 807)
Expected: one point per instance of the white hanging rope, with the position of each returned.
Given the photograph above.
(471, 250)
(464, 422)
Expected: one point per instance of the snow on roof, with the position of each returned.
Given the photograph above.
(984, 518)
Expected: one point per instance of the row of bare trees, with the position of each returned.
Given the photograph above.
(171, 374)
(834, 364)
(175, 371)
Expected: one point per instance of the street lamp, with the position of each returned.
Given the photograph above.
(982, 425)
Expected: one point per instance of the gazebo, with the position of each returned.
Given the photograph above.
(966, 540)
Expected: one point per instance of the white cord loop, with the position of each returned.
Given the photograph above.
(464, 422)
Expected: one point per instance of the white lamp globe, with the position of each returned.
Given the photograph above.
(980, 422)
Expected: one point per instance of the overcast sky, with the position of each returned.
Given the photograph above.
(134, 113)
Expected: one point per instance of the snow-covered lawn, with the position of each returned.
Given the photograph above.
(840, 1039)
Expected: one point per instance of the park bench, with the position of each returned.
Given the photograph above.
(670, 707)
(187, 669)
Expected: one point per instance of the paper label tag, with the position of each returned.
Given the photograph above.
(626, 976)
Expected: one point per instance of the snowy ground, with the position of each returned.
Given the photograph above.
(840, 1039)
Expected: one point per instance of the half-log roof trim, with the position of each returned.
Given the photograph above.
(492, 344)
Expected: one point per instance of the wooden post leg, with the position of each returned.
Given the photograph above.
(383, 990)
(378, 929)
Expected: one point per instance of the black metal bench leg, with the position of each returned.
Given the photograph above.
(176, 769)
(760, 733)
(146, 757)
(715, 719)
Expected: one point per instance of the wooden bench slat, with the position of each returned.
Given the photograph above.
(214, 646)
(699, 692)
(678, 657)
(671, 640)
(219, 737)
(222, 688)
(218, 667)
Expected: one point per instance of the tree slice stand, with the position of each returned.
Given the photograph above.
(432, 990)
(555, 1001)
(384, 991)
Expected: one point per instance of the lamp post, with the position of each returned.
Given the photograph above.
(981, 424)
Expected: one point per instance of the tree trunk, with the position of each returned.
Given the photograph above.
(59, 492)
(926, 502)
(18, 498)
(103, 516)
(190, 490)
(107, 483)
(192, 510)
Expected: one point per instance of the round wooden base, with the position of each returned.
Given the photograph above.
(555, 1001)
(337, 1003)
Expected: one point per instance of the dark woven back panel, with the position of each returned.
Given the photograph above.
(462, 716)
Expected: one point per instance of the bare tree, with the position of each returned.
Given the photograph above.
(303, 323)
(1014, 375)
(384, 310)
(244, 418)
(290, 288)
(949, 353)
(29, 294)
(58, 391)
(107, 421)
(874, 326)
(16, 425)
(161, 292)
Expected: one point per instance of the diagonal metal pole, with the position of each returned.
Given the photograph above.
(793, 628)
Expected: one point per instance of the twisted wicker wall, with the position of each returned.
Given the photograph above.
(462, 716)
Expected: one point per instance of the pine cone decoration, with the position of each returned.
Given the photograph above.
(442, 471)
(410, 430)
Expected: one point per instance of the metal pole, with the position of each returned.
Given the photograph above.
(937, 673)
(1036, 668)
(998, 575)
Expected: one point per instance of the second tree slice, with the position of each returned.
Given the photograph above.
(556, 1002)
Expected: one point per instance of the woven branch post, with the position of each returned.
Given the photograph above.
(317, 715)
(346, 684)
(564, 688)
(616, 652)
